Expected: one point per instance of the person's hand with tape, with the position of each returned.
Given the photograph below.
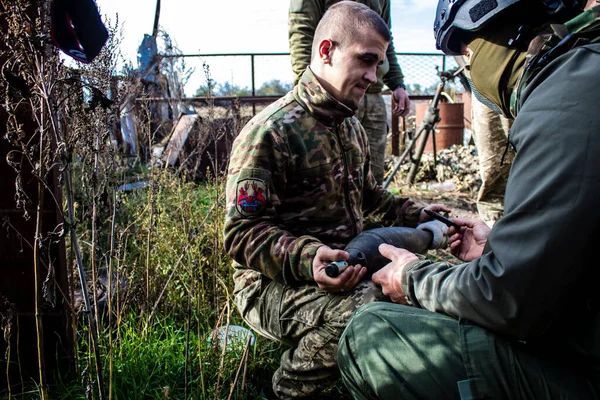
(390, 277)
(439, 233)
(438, 230)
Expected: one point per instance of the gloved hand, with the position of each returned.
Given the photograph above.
(439, 230)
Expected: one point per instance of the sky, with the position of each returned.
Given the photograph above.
(243, 26)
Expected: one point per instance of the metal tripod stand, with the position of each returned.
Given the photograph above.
(431, 118)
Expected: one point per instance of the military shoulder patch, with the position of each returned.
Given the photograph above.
(252, 196)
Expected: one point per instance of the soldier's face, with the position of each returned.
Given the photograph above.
(353, 68)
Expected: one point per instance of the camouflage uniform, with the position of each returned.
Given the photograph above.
(304, 15)
(490, 130)
(299, 177)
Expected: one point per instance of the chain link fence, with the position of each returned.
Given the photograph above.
(270, 74)
(421, 72)
(226, 90)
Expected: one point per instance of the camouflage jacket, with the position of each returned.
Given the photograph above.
(303, 17)
(299, 177)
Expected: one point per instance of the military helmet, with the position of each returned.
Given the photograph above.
(453, 16)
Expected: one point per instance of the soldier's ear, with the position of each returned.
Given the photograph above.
(325, 50)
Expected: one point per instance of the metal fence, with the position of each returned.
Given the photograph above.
(247, 74)
(420, 71)
(251, 71)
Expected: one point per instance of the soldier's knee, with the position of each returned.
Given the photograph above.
(364, 316)
(367, 292)
(362, 321)
(379, 317)
(340, 308)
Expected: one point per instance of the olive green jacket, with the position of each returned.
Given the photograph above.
(303, 17)
(299, 177)
(538, 277)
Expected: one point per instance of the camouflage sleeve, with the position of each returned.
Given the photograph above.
(255, 184)
(394, 77)
(382, 206)
(303, 17)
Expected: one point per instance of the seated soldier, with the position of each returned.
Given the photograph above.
(298, 188)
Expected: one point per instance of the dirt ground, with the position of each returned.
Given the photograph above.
(453, 179)
(461, 203)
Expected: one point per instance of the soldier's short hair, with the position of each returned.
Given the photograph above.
(343, 21)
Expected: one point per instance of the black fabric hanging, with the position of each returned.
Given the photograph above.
(77, 28)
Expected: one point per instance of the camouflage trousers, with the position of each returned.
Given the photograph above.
(490, 131)
(373, 117)
(308, 319)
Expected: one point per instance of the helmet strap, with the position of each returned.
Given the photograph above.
(525, 34)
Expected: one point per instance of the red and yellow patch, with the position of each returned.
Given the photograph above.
(252, 197)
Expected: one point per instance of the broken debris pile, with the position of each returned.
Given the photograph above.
(199, 147)
(456, 166)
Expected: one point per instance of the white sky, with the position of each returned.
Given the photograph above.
(246, 26)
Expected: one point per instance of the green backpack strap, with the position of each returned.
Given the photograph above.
(581, 30)
(586, 24)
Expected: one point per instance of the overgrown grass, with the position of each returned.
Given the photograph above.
(172, 362)
(172, 288)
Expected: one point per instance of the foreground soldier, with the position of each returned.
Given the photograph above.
(520, 319)
(299, 186)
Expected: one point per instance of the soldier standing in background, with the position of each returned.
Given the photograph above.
(490, 131)
(299, 185)
(303, 17)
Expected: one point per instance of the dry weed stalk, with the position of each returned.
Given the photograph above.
(27, 66)
(223, 345)
(8, 312)
(244, 364)
(110, 295)
(40, 89)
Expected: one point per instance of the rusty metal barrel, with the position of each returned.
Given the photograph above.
(450, 129)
